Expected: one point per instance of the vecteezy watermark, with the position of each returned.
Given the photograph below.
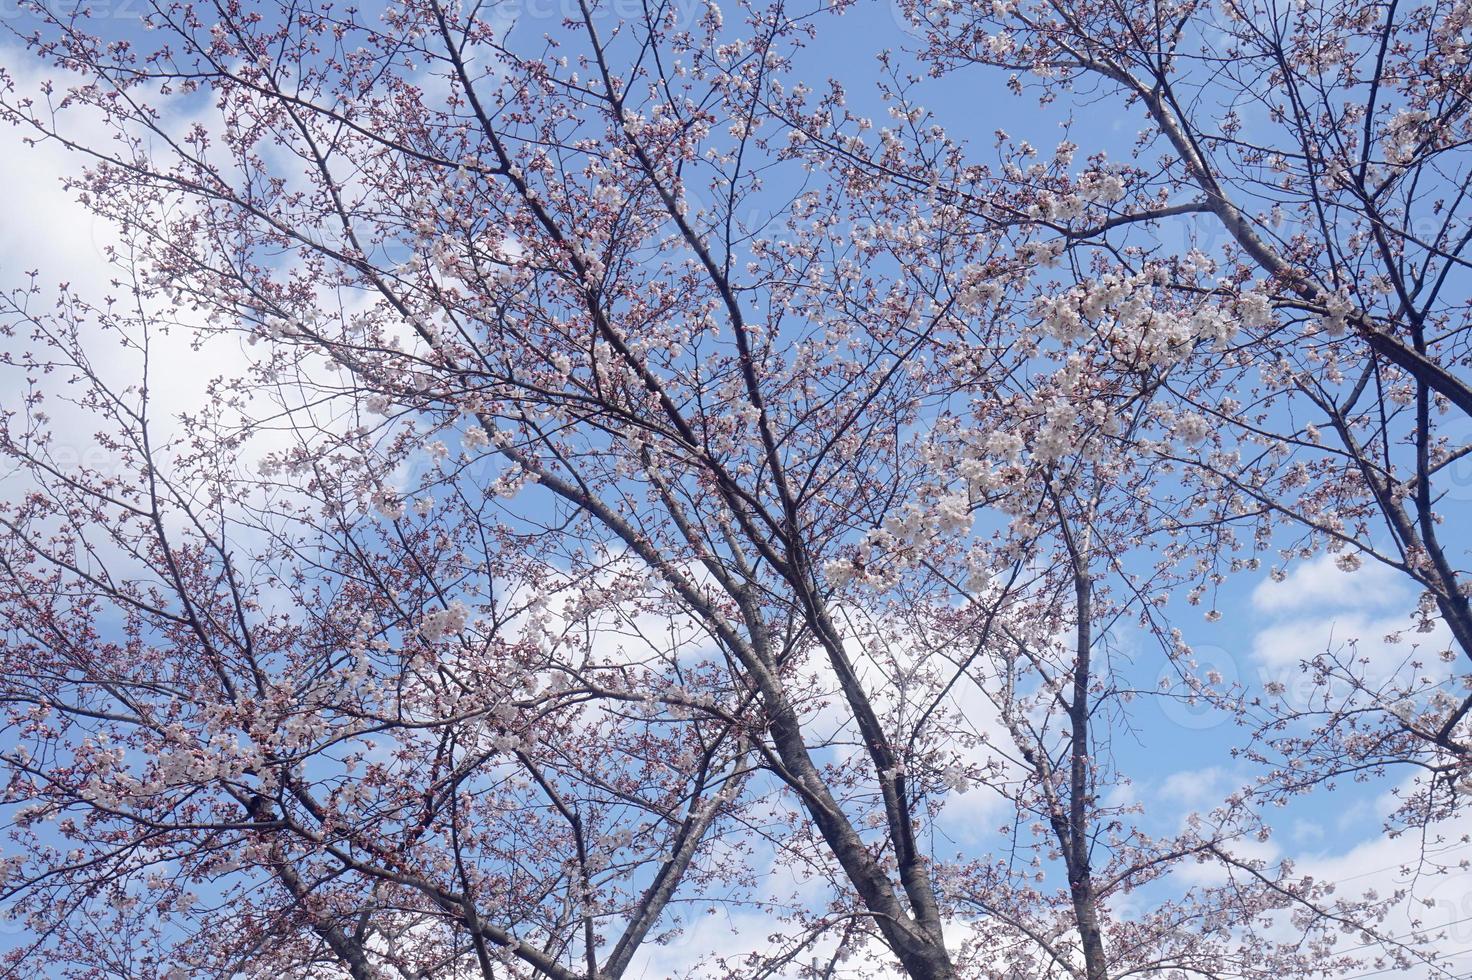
(1189, 689)
(1453, 479)
(64, 10)
(1211, 685)
(906, 16)
(1444, 912)
(667, 14)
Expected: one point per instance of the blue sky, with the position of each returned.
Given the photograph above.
(1179, 757)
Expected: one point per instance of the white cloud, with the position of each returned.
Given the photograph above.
(1195, 787)
(1320, 609)
(1288, 643)
(46, 230)
(1320, 584)
(1437, 906)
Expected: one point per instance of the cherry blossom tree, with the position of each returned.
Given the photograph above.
(252, 737)
(644, 477)
(1296, 198)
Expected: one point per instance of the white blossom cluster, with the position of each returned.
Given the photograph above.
(1126, 314)
(437, 624)
(887, 550)
(1404, 135)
